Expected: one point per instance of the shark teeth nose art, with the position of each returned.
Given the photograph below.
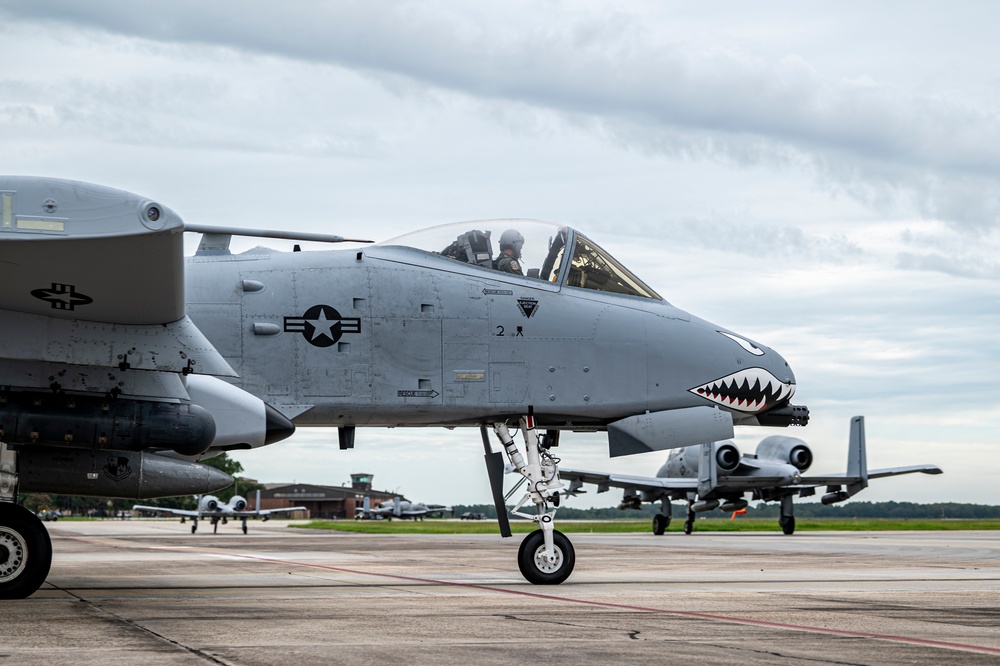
(750, 390)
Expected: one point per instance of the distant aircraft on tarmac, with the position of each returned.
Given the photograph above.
(400, 508)
(715, 475)
(122, 362)
(215, 510)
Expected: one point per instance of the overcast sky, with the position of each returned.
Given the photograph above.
(825, 182)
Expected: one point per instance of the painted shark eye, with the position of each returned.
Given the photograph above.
(746, 344)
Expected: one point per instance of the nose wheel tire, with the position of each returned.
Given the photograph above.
(25, 552)
(537, 568)
(660, 524)
(787, 524)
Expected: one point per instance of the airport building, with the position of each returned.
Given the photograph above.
(330, 502)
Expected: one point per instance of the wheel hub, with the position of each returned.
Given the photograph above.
(13, 554)
(543, 563)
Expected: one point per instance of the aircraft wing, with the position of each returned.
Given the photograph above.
(604, 481)
(103, 268)
(268, 512)
(839, 479)
(748, 482)
(161, 509)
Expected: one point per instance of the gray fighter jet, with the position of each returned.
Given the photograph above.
(400, 508)
(499, 325)
(715, 475)
(211, 507)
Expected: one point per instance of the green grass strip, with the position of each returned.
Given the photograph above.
(676, 525)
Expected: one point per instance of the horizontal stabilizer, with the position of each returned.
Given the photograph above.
(896, 471)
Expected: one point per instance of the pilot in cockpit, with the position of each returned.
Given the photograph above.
(511, 242)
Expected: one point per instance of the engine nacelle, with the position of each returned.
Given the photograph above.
(791, 450)
(684, 463)
(727, 457)
(238, 503)
(113, 473)
(209, 503)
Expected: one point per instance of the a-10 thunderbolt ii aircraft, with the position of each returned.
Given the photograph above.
(399, 508)
(715, 475)
(211, 507)
(100, 352)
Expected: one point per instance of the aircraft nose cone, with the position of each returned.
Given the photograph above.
(277, 427)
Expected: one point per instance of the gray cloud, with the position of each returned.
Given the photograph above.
(887, 146)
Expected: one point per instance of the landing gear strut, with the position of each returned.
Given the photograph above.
(546, 556)
(787, 518)
(25, 552)
(661, 521)
(689, 523)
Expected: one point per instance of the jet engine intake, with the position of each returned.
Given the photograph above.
(786, 449)
(727, 457)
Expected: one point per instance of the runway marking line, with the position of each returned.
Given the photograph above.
(584, 602)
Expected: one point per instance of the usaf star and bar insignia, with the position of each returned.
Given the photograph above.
(322, 325)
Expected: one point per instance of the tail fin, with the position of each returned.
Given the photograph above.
(857, 457)
(366, 507)
(857, 463)
(395, 507)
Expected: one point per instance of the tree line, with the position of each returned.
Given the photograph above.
(894, 510)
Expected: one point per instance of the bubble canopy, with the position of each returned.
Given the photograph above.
(543, 254)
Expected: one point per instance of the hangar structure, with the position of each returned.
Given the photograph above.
(330, 502)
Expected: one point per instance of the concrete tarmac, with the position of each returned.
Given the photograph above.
(150, 592)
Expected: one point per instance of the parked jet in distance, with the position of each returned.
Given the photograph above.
(115, 349)
(400, 508)
(715, 475)
(215, 510)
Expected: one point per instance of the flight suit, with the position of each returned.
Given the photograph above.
(508, 264)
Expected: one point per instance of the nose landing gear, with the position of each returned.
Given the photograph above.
(546, 556)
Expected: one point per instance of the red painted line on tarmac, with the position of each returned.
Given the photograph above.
(645, 609)
(584, 602)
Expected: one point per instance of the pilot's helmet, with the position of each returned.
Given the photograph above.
(512, 239)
